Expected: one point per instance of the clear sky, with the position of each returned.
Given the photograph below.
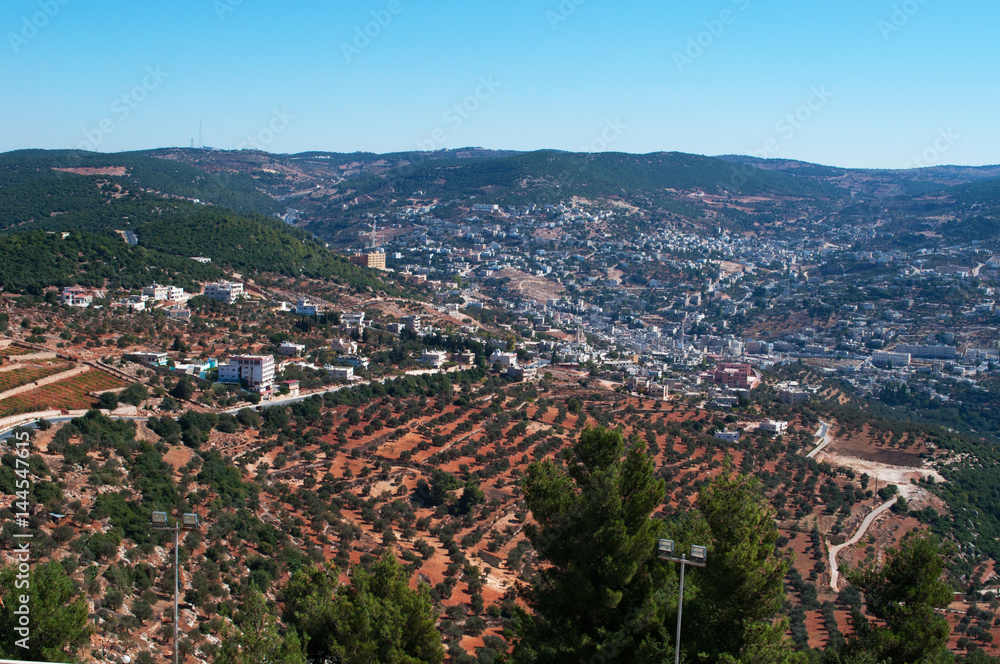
(861, 83)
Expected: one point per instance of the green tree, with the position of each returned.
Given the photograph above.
(902, 595)
(108, 401)
(733, 615)
(256, 637)
(600, 592)
(377, 618)
(58, 624)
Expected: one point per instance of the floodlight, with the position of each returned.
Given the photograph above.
(666, 548)
(159, 519)
(190, 521)
(699, 554)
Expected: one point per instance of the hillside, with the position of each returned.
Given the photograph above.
(92, 261)
(104, 194)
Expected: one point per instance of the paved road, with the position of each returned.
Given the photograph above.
(862, 529)
(823, 436)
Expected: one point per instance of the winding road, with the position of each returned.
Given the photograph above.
(823, 436)
(862, 529)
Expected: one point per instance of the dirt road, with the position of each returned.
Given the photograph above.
(862, 529)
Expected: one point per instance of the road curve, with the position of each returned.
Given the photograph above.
(862, 529)
(823, 436)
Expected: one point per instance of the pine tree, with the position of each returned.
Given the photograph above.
(377, 618)
(902, 595)
(256, 637)
(57, 622)
(739, 593)
(601, 592)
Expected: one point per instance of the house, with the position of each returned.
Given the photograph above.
(411, 323)
(434, 358)
(74, 296)
(356, 361)
(159, 293)
(341, 373)
(776, 427)
(465, 357)
(346, 346)
(293, 350)
(256, 370)
(524, 374)
(179, 313)
(352, 321)
(156, 359)
(504, 359)
(305, 307)
(728, 436)
(224, 291)
(792, 393)
(199, 368)
(293, 387)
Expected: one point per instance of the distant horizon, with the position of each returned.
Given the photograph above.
(872, 84)
(520, 151)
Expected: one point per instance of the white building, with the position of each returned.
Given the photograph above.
(256, 370)
(505, 359)
(288, 348)
(434, 358)
(224, 291)
(346, 346)
(890, 359)
(179, 313)
(305, 307)
(341, 373)
(354, 321)
(159, 359)
(777, 427)
(158, 292)
(74, 296)
(728, 436)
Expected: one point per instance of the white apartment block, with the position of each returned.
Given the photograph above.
(224, 291)
(306, 308)
(890, 359)
(777, 427)
(256, 370)
(434, 358)
(158, 292)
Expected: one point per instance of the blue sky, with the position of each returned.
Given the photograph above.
(862, 83)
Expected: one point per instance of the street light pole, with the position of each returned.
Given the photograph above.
(190, 522)
(680, 610)
(177, 575)
(699, 558)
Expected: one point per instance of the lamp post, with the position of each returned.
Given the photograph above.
(699, 557)
(188, 522)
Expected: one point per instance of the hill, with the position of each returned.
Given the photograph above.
(93, 261)
(101, 194)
